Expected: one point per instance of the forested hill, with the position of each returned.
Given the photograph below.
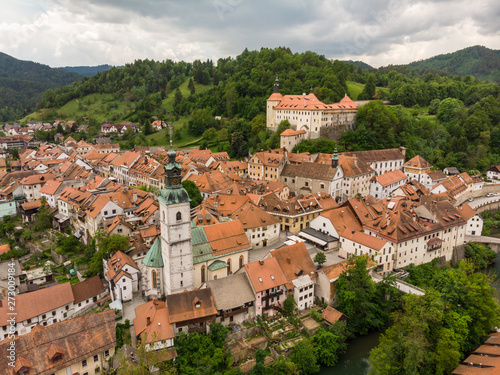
(478, 61)
(87, 71)
(23, 82)
(239, 86)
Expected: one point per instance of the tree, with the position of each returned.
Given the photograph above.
(147, 128)
(43, 217)
(327, 347)
(289, 304)
(480, 255)
(218, 334)
(238, 145)
(193, 193)
(260, 368)
(434, 106)
(356, 293)
(369, 89)
(304, 357)
(320, 258)
(191, 86)
(177, 97)
(107, 246)
(449, 109)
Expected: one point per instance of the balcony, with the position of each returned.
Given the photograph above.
(434, 244)
(272, 295)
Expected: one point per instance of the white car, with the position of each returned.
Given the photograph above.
(490, 195)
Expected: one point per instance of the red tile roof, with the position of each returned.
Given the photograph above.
(265, 274)
(418, 162)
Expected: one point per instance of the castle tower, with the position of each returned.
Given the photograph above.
(175, 225)
(272, 102)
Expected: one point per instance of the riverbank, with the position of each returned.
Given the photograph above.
(355, 360)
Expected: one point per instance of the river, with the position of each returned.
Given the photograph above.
(355, 360)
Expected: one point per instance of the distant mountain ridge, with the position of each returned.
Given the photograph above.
(22, 84)
(478, 61)
(87, 71)
(358, 63)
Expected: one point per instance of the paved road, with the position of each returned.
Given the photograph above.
(482, 200)
(258, 254)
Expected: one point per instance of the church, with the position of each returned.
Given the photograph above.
(185, 256)
(306, 112)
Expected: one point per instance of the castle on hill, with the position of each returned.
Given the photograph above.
(308, 113)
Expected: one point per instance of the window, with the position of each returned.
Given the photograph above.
(178, 216)
(105, 213)
(202, 274)
(241, 261)
(114, 211)
(96, 358)
(154, 279)
(106, 353)
(84, 363)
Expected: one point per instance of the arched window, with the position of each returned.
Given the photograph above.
(229, 267)
(178, 216)
(202, 274)
(241, 260)
(163, 215)
(154, 280)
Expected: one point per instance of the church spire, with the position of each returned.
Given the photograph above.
(276, 85)
(173, 192)
(335, 159)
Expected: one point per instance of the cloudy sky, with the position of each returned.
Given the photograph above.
(378, 32)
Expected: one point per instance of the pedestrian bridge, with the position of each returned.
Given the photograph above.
(401, 285)
(492, 242)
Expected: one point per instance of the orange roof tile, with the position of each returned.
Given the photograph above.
(391, 177)
(37, 179)
(294, 261)
(331, 315)
(29, 305)
(291, 132)
(227, 237)
(50, 187)
(152, 321)
(466, 211)
(418, 162)
(265, 274)
(196, 304)
(364, 239)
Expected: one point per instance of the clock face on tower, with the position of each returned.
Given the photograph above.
(176, 181)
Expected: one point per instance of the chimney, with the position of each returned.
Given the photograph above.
(261, 262)
(134, 197)
(288, 260)
(388, 221)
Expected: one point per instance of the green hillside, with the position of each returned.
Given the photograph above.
(477, 61)
(23, 82)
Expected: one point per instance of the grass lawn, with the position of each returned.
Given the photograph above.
(355, 89)
(102, 107)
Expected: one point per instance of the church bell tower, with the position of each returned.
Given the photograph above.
(175, 225)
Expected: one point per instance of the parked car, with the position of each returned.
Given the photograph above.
(490, 195)
(470, 199)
